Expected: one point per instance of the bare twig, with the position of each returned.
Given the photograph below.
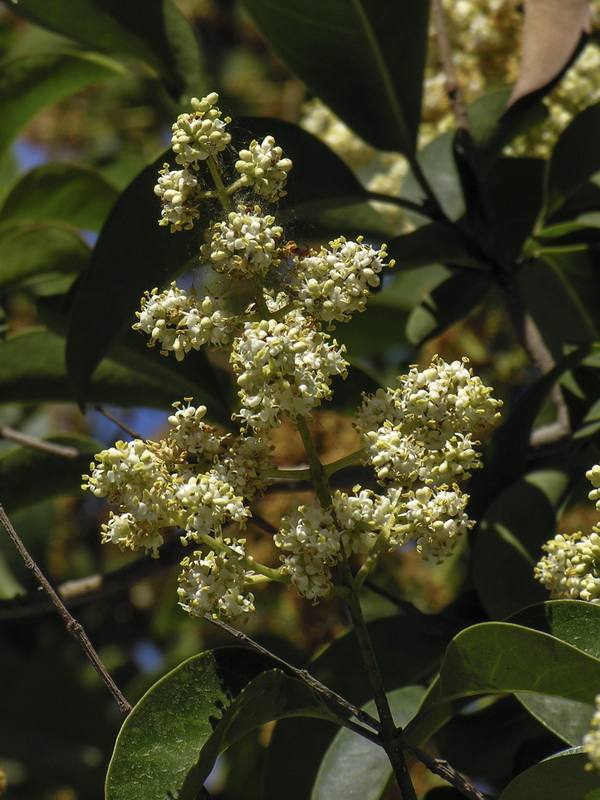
(129, 431)
(37, 444)
(73, 627)
(307, 678)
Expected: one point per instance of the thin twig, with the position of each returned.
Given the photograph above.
(37, 444)
(73, 627)
(303, 675)
(129, 431)
(445, 771)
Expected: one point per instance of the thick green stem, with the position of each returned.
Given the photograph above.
(220, 187)
(390, 735)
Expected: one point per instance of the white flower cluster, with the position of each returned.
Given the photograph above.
(423, 430)
(201, 134)
(263, 167)
(571, 567)
(591, 740)
(245, 245)
(217, 583)
(177, 190)
(336, 282)
(196, 479)
(179, 321)
(284, 366)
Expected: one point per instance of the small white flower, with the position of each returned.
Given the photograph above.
(436, 518)
(571, 567)
(591, 740)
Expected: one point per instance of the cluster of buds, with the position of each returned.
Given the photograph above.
(571, 567)
(418, 438)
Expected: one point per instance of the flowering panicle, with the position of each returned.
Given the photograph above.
(418, 438)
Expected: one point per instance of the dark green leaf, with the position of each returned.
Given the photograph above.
(32, 369)
(31, 83)
(557, 778)
(365, 61)
(506, 457)
(577, 623)
(515, 189)
(159, 34)
(40, 252)
(558, 290)
(575, 158)
(508, 544)
(29, 475)
(64, 193)
(200, 704)
(448, 303)
(431, 244)
(438, 163)
(354, 766)
(133, 254)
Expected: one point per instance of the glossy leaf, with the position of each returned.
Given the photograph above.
(29, 475)
(448, 303)
(575, 158)
(509, 540)
(354, 766)
(133, 254)
(495, 657)
(552, 35)
(30, 83)
(557, 778)
(202, 706)
(348, 49)
(32, 369)
(161, 36)
(575, 622)
(40, 252)
(59, 193)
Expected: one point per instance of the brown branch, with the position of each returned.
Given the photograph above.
(37, 444)
(309, 679)
(129, 431)
(73, 627)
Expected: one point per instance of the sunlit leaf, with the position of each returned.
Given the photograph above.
(364, 61)
(33, 82)
(200, 707)
(64, 193)
(160, 35)
(552, 35)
